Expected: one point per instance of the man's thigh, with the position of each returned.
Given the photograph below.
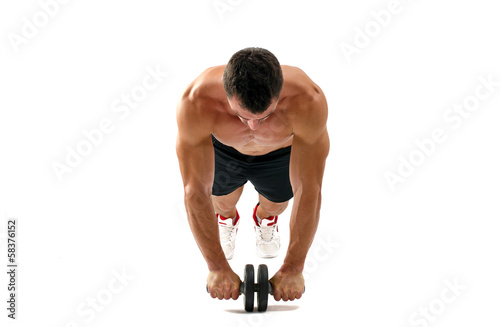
(230, 172)
(271, 176)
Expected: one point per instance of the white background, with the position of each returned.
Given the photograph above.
(379, 255)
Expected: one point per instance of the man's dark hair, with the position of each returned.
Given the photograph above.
(254, 76)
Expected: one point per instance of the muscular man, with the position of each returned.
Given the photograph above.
(255, 120)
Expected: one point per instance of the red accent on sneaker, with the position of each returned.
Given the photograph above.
(272, 220)
(255, 215)
(224, 218)
(237, 218)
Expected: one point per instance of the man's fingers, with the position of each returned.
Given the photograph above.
(225, 294)
(236, 294)
(291, 297)
(294, 296)
(216, 294)
(286, 295)
(213, 294)
(223, 285)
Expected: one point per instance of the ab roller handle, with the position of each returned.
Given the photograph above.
(263, 288)
(256, 288)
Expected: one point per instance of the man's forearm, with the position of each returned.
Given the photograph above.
(203, 223)
(303, 225)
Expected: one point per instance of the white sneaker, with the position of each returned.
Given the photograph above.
(267, 238)
(228, 227)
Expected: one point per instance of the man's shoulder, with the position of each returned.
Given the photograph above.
(300, 87)
(208, 85)
(306, 104)
(306, 101)
(205, 93)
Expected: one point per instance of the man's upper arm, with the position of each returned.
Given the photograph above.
(194, 146)
(310, 145)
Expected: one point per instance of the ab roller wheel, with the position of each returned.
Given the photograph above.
(248, 288)
(263, 288)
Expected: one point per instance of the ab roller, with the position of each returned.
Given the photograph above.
(248, 287)
(263, 288)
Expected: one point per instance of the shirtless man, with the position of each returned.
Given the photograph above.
(256, 120)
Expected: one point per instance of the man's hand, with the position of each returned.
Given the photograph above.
(288, 284)
(223, 284)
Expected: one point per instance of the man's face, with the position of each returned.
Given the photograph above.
(251, 120)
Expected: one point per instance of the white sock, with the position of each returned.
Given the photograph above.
(258, 218)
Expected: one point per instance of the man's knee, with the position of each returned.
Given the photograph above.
(223, 205)
(273, 208)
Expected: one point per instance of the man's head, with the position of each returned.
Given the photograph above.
(253, 79)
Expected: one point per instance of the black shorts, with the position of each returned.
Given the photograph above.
(269, 173)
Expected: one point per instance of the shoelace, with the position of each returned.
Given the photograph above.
(226, 232)
(266, 233)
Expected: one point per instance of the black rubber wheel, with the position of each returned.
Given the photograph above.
(263, 290)
(248, 288)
